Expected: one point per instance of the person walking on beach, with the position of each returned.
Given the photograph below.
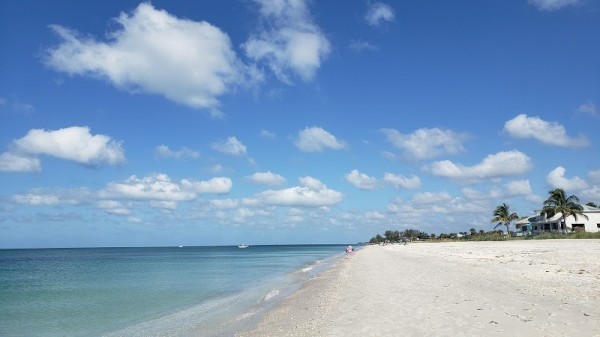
(349, 251)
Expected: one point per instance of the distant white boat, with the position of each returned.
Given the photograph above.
(180, 246)
(243, 245)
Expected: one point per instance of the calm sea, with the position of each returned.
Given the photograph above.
(189, 291)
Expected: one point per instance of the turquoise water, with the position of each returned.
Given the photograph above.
(189, 291)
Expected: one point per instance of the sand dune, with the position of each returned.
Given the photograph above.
(515, 288)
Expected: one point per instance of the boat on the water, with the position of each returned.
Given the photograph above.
(243, 245)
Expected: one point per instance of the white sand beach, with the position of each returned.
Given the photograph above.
(513, 288)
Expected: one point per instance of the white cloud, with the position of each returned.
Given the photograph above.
(501, 164)
(224, 203)
(42, 197)
(511, 189)
(360, 45)
(17, 105)
(216, 185)
(160, 187)
(473, 194)
(12, 162)
(313, 193)
(292, 42)
(426, 198)
(591, 195)
(268, 178)
(163, 151)
(518, 187)
(361, 180)
(378, 12)
(231, 146)
(427, 143)
(35, 199)
(191, 63)
(134, 219)
(72, 143)
(400, 181)
(556, 178)
(113, 207)
(267, 134)
(165, 205)
(316, 139)
(550, 133)
(551, 5)
(589, 108)
(594, 176)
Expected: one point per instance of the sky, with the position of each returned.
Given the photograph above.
(127, 123)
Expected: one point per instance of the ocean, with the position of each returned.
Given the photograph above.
(169, 291)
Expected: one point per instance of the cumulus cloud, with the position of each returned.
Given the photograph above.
(73, 143)
(501, 164)
(113, 207)
(552, 5)
(191, 63)
(361, 180)
(518, 187)
(556, 178)
(161, 187)
(231, 146)
(378, 13)
(550, 133)
(12, 162)
(163, 151)
(316, 139)
(289, 42)
(311, 193)
(590, 109)
(510, 189)
(426, 143)
(267, 178)
(591, 194)
(400, 181)
(594, 176)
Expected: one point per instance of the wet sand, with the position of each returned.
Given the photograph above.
(512, 288)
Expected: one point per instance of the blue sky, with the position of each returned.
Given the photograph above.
(126, 123)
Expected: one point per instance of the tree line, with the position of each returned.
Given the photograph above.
(556, 202)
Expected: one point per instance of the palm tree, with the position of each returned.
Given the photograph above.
(503, 216)
(591, 204)
(558, 202)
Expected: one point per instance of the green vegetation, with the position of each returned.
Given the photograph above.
(391, 236)
(573, 235)
(557, 202)
(504, 217)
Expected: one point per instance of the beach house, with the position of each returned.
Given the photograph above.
(540, 223)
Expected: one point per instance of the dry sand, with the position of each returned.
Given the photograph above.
(513, 288)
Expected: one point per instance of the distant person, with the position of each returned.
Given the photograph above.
(349, 251)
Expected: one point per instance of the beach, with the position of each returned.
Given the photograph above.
(508, 288)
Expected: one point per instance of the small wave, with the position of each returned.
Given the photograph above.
(245, 316)
(306, 269)
(271, 294)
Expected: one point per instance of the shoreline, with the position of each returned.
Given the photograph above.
(516, 288)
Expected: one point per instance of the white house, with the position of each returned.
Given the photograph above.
(539, 223)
